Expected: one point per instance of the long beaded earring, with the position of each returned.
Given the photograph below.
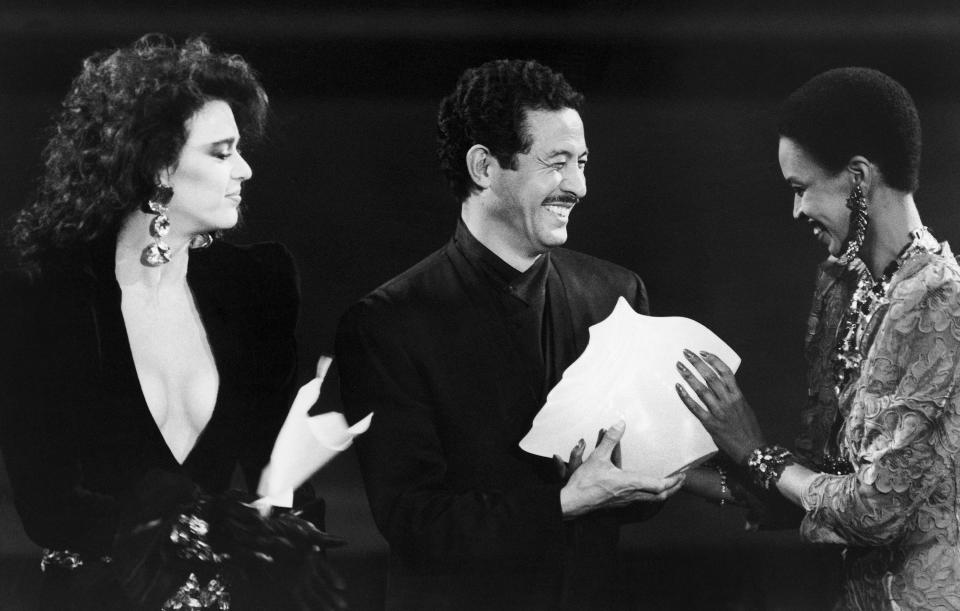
(158, 253)
(857, 203)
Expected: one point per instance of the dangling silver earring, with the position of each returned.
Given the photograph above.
(158, 253)
(857, 203)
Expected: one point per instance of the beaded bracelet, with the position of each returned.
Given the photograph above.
(723, 484)
(767, 463)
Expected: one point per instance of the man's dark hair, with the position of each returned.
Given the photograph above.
(856, 111)
(488, 107)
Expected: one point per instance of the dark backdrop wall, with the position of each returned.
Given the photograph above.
(683, 184)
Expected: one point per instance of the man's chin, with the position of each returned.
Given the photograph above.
(557, 237)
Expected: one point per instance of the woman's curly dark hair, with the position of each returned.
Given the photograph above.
(845, 112)
(488, 107)
(123, 121)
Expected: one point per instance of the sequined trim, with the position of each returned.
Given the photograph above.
(189, 535)
(191, 596)
(63, 559)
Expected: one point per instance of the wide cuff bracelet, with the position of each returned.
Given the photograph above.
(767, 463)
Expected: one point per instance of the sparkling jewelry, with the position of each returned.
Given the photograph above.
(158, 253)
(724, 491)
(868, 297)
(767, 463)
(201, 240)
(65, 559)
(62, 559)
(189, 535)
(857, 203)
(191, 596)
(835, 464)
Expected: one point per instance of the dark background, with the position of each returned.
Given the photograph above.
(684, 188)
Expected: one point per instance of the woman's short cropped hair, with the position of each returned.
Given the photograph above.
(846, 112)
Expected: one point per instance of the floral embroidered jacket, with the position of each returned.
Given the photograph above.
(898, 512)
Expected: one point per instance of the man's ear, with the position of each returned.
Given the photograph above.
(479, 161)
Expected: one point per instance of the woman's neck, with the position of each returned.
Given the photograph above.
(133, 238)
(893, 217)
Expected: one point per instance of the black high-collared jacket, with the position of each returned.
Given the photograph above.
(473, 522)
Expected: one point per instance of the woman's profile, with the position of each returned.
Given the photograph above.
(147, 359)
(875, 468)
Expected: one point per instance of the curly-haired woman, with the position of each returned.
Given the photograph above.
(144, 359)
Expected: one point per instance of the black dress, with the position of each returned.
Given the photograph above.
(75, 429)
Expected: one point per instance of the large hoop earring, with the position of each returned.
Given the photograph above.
(158, 253)
(857, 232)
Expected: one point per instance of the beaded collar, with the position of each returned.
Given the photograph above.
(868, 297)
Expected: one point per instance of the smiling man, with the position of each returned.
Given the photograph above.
(456, 355)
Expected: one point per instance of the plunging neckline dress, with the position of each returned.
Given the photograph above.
(75, 428)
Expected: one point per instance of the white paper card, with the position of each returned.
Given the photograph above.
(628, 371)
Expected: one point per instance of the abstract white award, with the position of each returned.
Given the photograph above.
(628, 371)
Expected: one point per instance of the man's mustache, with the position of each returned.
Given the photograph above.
(565, 198)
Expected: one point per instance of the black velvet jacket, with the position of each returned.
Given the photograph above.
(75, 429)
(472, 520)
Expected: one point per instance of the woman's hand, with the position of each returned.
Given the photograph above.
(725, 413)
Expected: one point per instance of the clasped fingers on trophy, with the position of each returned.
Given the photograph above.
(599, 482)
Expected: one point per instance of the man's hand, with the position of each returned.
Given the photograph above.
(598, 483)
(566, 469)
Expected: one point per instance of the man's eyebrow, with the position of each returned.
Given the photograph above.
(566, 152)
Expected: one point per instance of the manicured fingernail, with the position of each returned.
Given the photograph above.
(687, 352)
(680, 389)
(681, 367)
(705, 353)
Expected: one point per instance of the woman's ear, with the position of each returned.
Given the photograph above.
(163, 177)
(862, 173)
(478, 165)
